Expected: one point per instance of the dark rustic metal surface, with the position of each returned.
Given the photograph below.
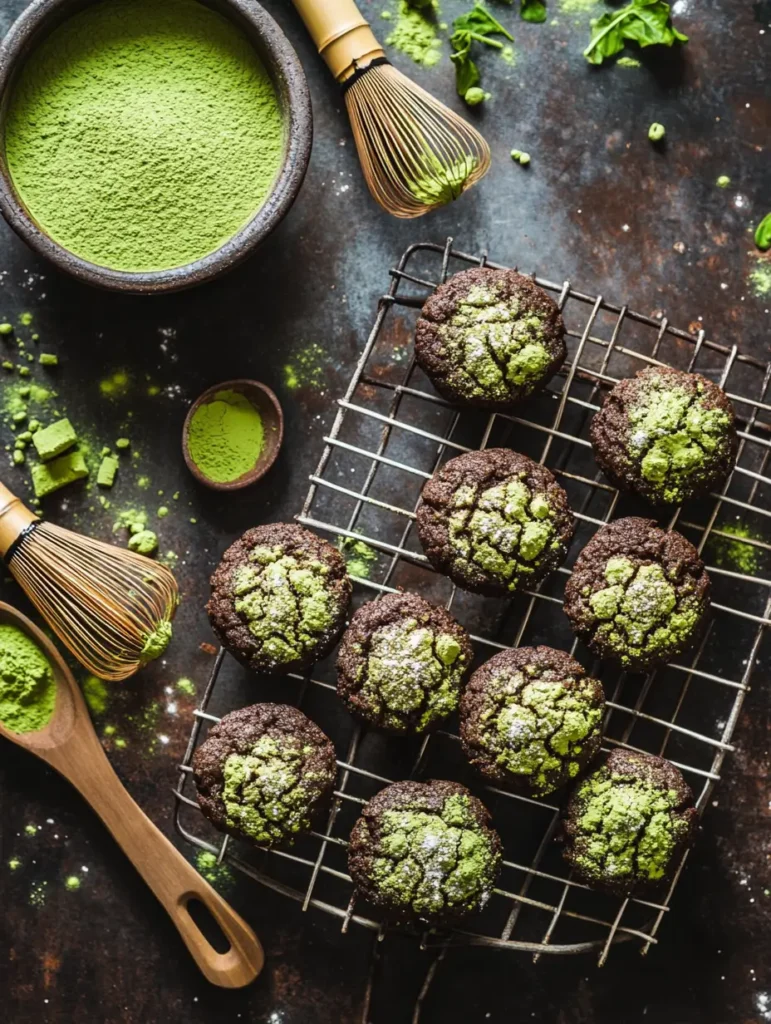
(600, 205)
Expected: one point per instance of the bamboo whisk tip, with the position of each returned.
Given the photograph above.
(416, 153)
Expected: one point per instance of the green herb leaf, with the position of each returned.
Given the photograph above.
(532, 10)
(646, 22)
(476, 25)
(479, 22)
(763, 233)
(466, 71)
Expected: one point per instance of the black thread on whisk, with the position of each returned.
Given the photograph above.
(359, 72)
(20, 540)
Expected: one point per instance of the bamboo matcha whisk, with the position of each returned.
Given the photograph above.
(415, 152)
(111, 607)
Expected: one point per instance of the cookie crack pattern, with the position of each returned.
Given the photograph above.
(627, 827)
(430, 861)
(640, 612)
(409, 670)
(673, 434)
(502, 529)
(284, 601)
(266, 792)
(536, 727)
(491, 348)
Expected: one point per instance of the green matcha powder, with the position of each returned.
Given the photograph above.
(226, 437)
(27, 686)
(143, 135)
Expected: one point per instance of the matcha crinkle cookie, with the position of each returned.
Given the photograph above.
(637, 594)
(666, 435)
(489, 338)
(402, 663)
(279, 598)
(628, 824)
(425, 850)
(494, 521)
(531, 718)
(264, 772)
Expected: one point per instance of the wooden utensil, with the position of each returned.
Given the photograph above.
(70, 745)
(105, 603)
(415, 152)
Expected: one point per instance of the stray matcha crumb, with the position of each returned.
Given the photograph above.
(120, 743)
(122, 444)
(162, 512)
(216, 874)
(18, 458)
(723, 181)
(656, 132)
(628, 62)
(54, 439)
(175, 496)
(107, 471)
(24, 371)
(72, 883)
(14, 863)
(519, 157)
(474, 96)
(8, 366)
(19, 417)
(6, 329)
(186, 686)
(116, 385)
(50, 476)
(48, 359)
(25, 319)
(143, 482)
(358, 556)
(31, 830)
(96, 694)
(144, 542)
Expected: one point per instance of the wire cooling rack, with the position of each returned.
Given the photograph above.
(391, 432)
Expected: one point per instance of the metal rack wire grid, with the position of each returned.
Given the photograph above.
(390, 434)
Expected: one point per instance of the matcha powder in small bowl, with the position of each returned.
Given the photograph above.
(142, 136)
(225, 436)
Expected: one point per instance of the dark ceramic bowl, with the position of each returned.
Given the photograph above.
(288, 77)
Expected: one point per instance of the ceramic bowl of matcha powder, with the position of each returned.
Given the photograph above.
(232, 434)
(148, 147)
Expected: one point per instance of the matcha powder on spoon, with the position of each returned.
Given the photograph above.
(27, 685)
(143, 135)
(225, 437)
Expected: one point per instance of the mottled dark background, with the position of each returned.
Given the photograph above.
(599, 205)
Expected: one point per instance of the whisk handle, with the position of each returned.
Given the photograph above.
(341, 33)
(14, 519)
(175, 882)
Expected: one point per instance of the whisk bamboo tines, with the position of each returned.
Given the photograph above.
(415, 152)
(111, 607)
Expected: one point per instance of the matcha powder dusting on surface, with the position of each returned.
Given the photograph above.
(226, 437)
(142, 136)
(27, 685)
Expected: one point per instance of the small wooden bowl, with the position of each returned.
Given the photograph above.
(269, 408)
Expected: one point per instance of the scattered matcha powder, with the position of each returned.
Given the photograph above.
(306, 369)
(186, 686)
(218, 875)
(759, 279)
(358, 556)
(735, 554)
(415, 34)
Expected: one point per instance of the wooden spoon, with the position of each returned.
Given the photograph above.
(70, 745)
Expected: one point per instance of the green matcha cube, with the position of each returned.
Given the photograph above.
(50, 476)
(48, 359)
(107, 471)
(53, 440)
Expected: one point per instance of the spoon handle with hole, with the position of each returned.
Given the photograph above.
(174, 881)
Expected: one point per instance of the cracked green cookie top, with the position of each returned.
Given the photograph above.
(408, 670)
(531, 717)
(638, 611)
(284, 600)
(674, 435)
(493, 343)
(426, 862)
(667, 434)
(627, 826)
(269, 792)
(503, 529)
